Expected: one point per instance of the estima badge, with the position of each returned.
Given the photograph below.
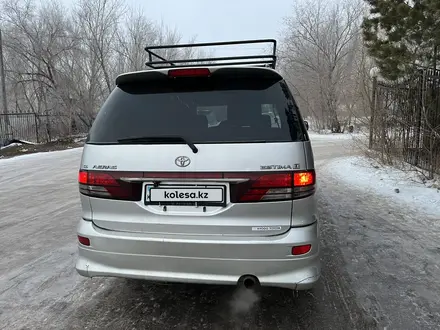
(182, 161)
(280, 167)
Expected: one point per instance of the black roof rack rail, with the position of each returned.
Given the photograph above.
(156, 61)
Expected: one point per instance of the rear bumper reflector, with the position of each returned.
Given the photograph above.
(301, 249)
(83, 240)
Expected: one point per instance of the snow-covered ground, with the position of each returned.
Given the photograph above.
(380, 259)
(332, 136)
(39, 156)
(17, 144)
(10, 146)
(405, 187)
(77, 139)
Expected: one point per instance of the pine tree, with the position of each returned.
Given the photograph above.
(401, 33)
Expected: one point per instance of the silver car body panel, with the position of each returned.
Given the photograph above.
(234, 219)
(195, 259)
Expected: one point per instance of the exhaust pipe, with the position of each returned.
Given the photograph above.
(248, 282)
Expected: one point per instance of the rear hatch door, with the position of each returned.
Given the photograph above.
(207, 155)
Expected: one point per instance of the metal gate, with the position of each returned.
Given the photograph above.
(406, 120)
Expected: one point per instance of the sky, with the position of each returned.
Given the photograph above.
(220, 20)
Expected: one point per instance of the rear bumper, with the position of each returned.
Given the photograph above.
(198, 259)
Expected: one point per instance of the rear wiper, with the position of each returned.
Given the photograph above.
(164, 139)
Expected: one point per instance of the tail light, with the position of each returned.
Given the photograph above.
(107, 185)
(274, 187)
(195, 72)
(257, 187)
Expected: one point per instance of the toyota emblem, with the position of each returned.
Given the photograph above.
(182, 161)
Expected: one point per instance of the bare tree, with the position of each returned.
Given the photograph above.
(138, 31)
(61, 63)
(99, 21)
(37, 41)
(318, 51)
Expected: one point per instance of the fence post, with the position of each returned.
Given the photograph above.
(384, 122)
(36, 128)
(4, 120)
(373, 112)
(420, 105)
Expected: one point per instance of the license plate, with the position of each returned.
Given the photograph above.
(185, 195)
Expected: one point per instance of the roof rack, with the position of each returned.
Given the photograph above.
(258, 60)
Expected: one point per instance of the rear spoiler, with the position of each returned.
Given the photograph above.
(243, 72)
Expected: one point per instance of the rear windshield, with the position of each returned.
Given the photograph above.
(202, 110)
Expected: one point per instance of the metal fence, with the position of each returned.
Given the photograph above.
(405, 121)
(39, 128)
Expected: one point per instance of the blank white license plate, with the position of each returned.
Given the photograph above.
(185, 195)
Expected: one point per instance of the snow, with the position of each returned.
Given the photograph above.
(17, 144)
(11, 145)
(405, 187)
(380, 261)
(39, 156)
(28, 142)
(333, 136)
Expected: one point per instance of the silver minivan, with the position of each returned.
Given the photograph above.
(200, 174)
